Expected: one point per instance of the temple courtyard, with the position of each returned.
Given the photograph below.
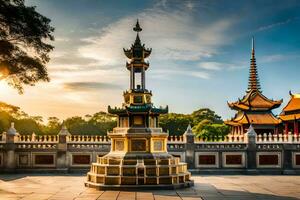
(212, 187)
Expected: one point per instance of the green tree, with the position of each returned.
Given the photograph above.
(27, 126)
(205, 113)
(53, 126)
(75, 125)
(5, 120)
(209, 131)
(175, 123)
(23, 51)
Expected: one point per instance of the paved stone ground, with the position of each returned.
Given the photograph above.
(65, 187)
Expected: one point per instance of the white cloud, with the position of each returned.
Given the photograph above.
(211, 65)
(174, 36)
(270, 26)
(278, 57)
(217, 66)
(189, 5)
(166, 74)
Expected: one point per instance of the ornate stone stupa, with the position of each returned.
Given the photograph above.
(138, 157)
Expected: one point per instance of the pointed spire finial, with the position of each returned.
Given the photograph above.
(64, 130)
(137, 27)
(251, 131)
(189, 130)
(253, 47)
(253, 83)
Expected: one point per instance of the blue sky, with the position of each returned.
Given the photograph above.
(200, 58)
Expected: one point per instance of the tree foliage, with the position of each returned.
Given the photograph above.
(23, 50)
(205, 114)
(210, 131)
(209, 127)
(176, 124)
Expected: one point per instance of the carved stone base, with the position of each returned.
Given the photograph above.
(138, 171)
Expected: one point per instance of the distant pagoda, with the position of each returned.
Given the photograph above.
(138, 157)
(254, 108)
(290, 115)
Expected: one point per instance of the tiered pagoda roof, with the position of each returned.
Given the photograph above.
(255, 100)
(137, 52)
(254, 107)
(292, 110)
(145, 108)
(137, 98)
(253, 118)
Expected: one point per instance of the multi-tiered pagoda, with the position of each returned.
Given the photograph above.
(138, 157)
(254, 108)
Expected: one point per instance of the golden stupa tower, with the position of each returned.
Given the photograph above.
(138, 157)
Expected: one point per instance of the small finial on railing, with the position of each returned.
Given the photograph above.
(64, 130)
(12, 130)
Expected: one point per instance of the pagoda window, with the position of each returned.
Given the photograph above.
(137, 80)
(138, 120)
(138, 99)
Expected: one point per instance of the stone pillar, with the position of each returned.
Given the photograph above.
(62, 161)
(9, 147)
(287, 155)
(286, 128)
(143, 79)
(190, 147)
(251, 150)
(131, 79)
(295, 127)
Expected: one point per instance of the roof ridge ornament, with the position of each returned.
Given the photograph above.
(137, 27)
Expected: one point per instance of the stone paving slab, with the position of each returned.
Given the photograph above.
(71, 187)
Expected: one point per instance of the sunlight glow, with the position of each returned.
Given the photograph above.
(4, 88)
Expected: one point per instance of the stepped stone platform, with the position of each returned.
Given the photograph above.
(71, 186)
(125, 172)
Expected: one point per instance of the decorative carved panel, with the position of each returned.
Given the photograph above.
(44, 159)
(297, 159)
(234, 160)
(81, 159)
(268, 160)
(119, 145)
(138, 99)
(207, 160)
(138, 145)
(158, 145)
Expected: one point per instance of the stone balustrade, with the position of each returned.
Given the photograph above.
(176, 139)
(243, 152)
(88, 139)
(226, 139)
(278, 138)
(36, 138)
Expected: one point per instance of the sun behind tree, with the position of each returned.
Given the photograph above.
(23, 50)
